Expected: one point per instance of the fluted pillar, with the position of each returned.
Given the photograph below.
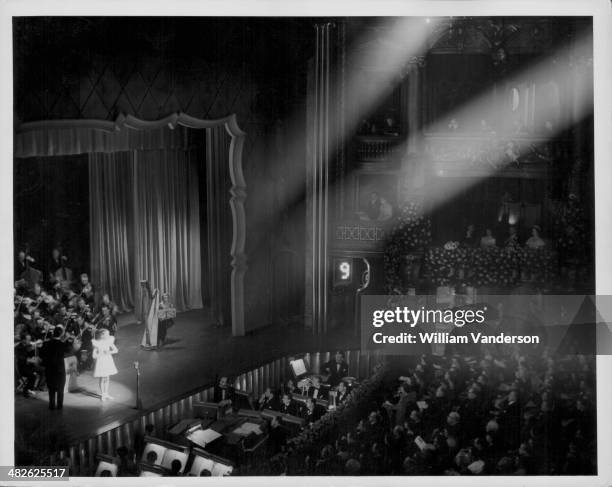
(319, 150)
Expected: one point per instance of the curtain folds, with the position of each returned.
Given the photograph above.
(65, 140)
(218, 219)
(112, 226)
(145, 225)
(167, 225)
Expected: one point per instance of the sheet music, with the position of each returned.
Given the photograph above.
(203, 437)
(247, 428)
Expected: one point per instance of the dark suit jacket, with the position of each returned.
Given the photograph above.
(321, 395)
(52, 354)
(218, 394)
(293, 408)
(19, 268)
(314, 415)
(272, 403)
(340, 398)
(336, 371)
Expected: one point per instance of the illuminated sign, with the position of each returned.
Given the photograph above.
(343, 271)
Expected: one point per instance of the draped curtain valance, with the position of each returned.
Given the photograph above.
(55, 139)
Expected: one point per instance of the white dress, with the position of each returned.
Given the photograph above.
(105, 365)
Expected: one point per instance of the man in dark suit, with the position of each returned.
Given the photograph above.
(312, 412)
(317, 391)
(268, 400)
(21, 265)
(289, 406)
(342, 393)
(335, 369)
(52, 355)
(223, 393)
(277, 436)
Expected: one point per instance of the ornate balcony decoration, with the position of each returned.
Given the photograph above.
(360, 232)
(517, 155)
(378, 148)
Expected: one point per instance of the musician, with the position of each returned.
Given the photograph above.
(150, 316)
(72, 326)
(52, 355)
(36, 293)
(223, 392)
(85, 289)
(24, 312)
(107, 321)
(82, 308)
(289, 406)
(71, 334)
(317, 391)
(61, 317)
(86, 336)
(26, 364)
(312, 412)
(38, 326)
(166, 323)
(57, 293)
(268, 400)
(48, 304)
(106, 300)
(21, 264)
(336, 369)
(342, 393)
(291, 388)
(70, 299)
(56, 263)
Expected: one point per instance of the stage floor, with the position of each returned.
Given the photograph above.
(195, 352)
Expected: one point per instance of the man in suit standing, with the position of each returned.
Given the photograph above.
(52, 355)
(335, 369)
(223, 393)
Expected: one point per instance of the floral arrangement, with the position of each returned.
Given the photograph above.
(445, 265)
(411, 232)
(493, 266)
(451, 245)
(570, 230)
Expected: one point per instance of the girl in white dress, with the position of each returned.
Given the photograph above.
(103, 350)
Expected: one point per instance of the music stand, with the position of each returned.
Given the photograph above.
(299, 368)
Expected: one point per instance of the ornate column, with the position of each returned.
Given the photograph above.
(413, 72)
(319, 149)
(413, 171)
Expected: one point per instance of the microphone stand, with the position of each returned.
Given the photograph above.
(138, 399)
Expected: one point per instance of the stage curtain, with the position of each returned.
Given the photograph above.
(49, 140)
(145, 225)
(111, 226)
(218, 220)
(167, 227)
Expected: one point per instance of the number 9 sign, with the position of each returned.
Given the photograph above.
(343, 271)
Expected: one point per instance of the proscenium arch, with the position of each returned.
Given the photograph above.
(36, 139)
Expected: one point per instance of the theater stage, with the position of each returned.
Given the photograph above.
(196, 351)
